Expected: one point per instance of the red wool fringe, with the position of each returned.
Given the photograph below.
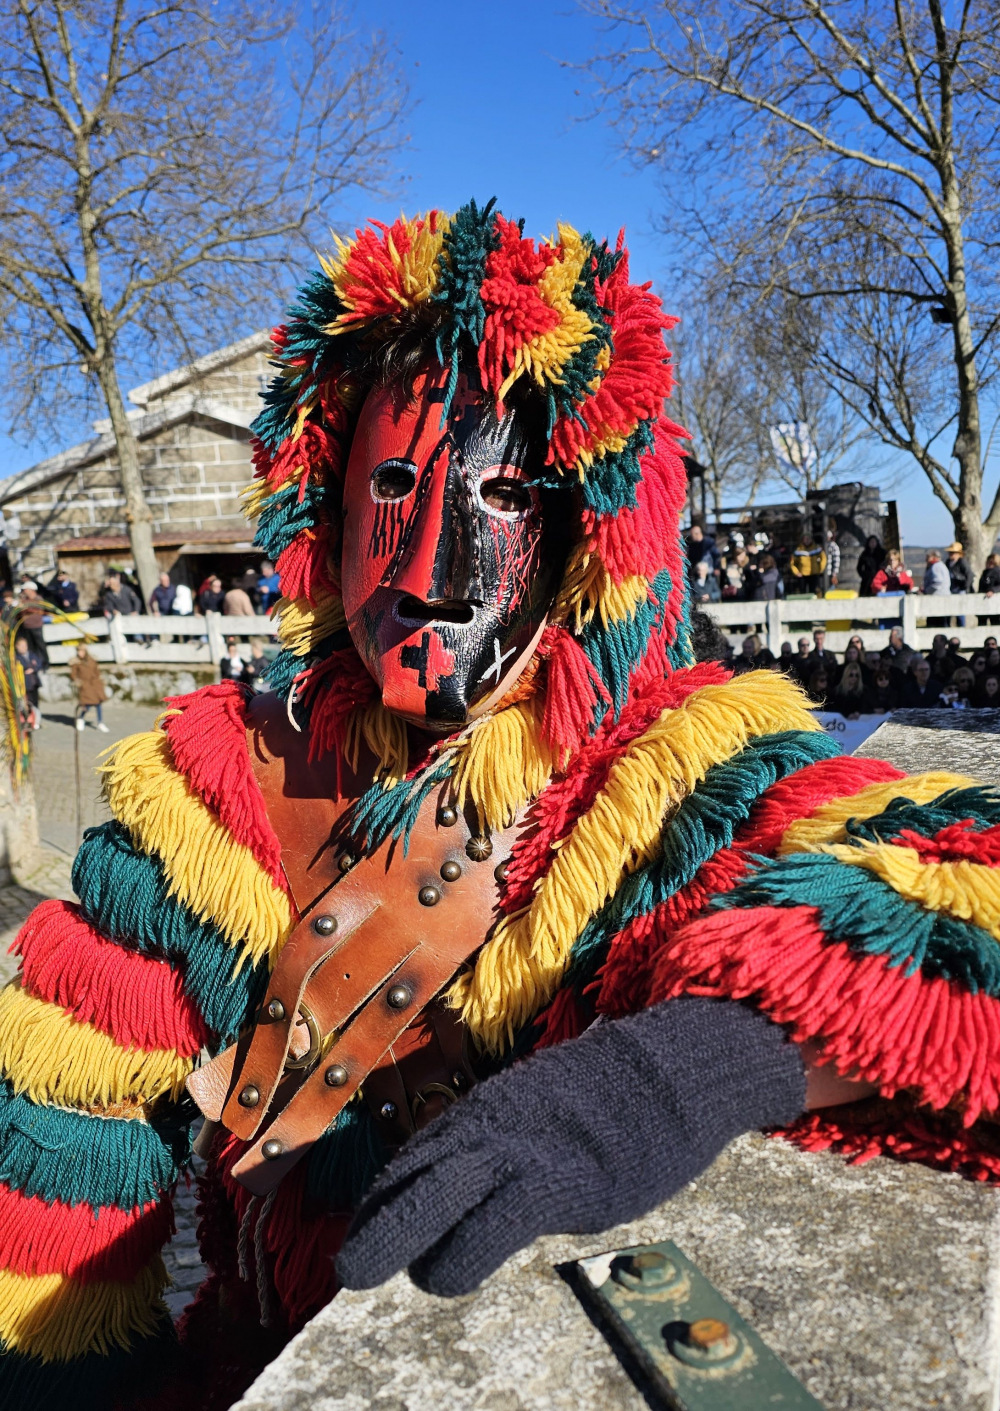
(573, 689)
(208, 742)
(372, 279)
(304, 567)
(135, 999)
(301, 1245)
(332, 689)
(634, 541)
(957, 843)
(107, 1245)
(562, 1019)
(894, 1030)
(907, 1137)
(515, 310)
(802, 793)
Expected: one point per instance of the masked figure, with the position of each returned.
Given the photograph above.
(490, 798)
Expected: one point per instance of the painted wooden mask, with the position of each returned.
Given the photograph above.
(451, 554)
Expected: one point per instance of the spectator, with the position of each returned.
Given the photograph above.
(873, 661)
(118, 598)
(852, 657)
(231, 666)
(870, 560)
(958, 570)
(988, 694)
(962, 688)
(86, 677)
(786, 662)
(858, 642)
(33, 620)
(732, 578)
(832, 558)
(850, 697)
(817, 688)
(819, 656)
(992, 660)
(899, 654)
(753, 656)
(268, 585)
(884, 695)
(989, 582)
(942, 662)
(978, 665)
(210, 595)
(161, 599)
(31, 664)
(701, 546)
(63, 592)
(768, 585)
(236, 603)
(893, 579)
(937, 581)
(920, 690)
(704, 584)
(802, 666)
(183, 600)
(254, 668)
(808, 564)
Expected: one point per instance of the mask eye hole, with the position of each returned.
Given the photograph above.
(393, 480)
(506, 496)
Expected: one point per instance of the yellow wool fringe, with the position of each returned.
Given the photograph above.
(503, 763)
(827, 824)
(385, 735)
(57, 1059)
(587, 589)
(206, 868)
(259, 490)
(303, 625)
(545, 355)
(967, 890)
(520, 967)
(418, 268)
(56, 1318)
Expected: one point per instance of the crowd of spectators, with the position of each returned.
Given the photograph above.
(876, 682)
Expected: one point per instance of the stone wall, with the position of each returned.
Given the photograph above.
(142, 685)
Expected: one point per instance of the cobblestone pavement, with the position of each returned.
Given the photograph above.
(54, 782)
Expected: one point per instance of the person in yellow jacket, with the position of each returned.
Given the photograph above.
(808, 564)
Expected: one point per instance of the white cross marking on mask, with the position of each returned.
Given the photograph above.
(498, 661)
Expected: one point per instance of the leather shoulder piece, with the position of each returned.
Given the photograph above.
(377, 939)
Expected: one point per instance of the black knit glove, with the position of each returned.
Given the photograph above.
(576, 1138)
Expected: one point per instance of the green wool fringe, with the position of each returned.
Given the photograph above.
(344, 1163)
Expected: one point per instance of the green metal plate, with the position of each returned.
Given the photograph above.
(695, 1349)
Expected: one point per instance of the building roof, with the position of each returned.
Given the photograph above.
(180, 377)
(97, 543)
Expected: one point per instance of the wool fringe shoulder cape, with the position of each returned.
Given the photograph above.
(684, 832)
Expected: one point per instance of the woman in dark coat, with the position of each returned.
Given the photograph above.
(870, 560)
(86, 677)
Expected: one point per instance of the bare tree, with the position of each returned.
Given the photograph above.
(843, 155)
(162, 165)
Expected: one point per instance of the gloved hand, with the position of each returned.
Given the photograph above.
(576, 1138)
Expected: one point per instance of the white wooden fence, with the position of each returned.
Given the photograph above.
(156, 640)
(772, 621)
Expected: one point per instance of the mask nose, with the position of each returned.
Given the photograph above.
(441, 562)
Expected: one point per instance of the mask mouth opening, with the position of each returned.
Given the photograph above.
(412, 610)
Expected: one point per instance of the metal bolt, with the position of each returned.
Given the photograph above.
(450, 871)
(271, 1150)
(250, 1096)
(459, 1081)
(398, 997)
(501, 870)
(479, 847)
(448, 816)
(429, 896)
(706, 1333)
(346, 861)
(325, 925)
(649, 1267)
(276, 1010)
(336, 1076)
(389, 1111)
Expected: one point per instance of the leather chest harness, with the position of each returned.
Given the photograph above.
(351, 1000)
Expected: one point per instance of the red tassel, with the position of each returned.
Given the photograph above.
(304, 567)
(562, 1020)
(332, 689)
(135, 999)
(573, 690)
(208, 742)
(906, 1137)
(106, 1245)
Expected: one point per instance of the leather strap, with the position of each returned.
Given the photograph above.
(372, 948)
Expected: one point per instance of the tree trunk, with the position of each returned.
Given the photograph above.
(138, 517)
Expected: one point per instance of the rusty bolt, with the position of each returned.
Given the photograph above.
(707, 1333)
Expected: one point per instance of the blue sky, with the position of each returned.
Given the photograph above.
(494, 113)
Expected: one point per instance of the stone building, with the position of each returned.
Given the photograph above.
(192, 429)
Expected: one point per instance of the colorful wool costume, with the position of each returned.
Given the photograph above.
(679, 832)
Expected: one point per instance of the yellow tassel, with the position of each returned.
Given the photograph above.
(503, 763)
(588, 588)
(827, 824)
(967, 890)
(417, 268)
(384, 734)
(302, 626)
(544, 356)
(56, 1318)
(206, 868)
(57, 1059)
(258, 491)
(520, 967)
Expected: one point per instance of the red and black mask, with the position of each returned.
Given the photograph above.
(451, 560)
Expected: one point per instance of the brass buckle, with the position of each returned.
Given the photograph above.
(432, 1090)
(315, 1049)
